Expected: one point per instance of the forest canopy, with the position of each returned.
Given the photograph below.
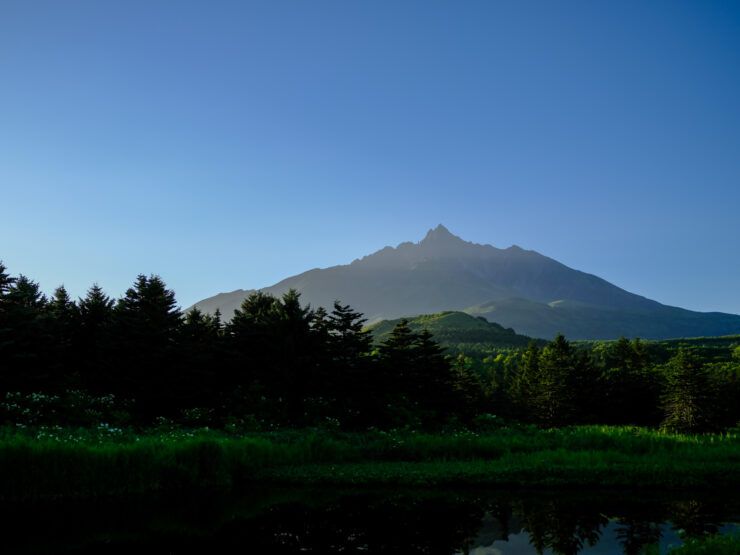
(279, 363)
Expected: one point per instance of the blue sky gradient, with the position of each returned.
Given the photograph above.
(229, 145)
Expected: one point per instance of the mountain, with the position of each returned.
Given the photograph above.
(521, 289)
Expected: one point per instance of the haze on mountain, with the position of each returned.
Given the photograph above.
(520, 289)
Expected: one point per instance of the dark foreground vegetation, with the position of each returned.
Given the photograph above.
(105, 396)
(276, 364)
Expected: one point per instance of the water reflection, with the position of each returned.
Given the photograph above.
(391, 521)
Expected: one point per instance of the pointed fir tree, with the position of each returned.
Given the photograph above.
(686, 397)
(553, 399)
(6, 281)
(468, 388)
(96, 310)
(397, 354)
(524, 383)
(94, 340)
(348, 339)
(146, 323)
(436, 380)
(348, 369)
(26, 338)
(63, 312)
(26, 294)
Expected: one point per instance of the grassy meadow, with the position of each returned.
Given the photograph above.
(58, 462)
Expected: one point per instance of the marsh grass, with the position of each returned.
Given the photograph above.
(73, 463)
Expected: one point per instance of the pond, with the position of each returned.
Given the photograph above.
(278, 521)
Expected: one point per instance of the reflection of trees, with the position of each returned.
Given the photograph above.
(365, 524)
(331, 521)
(635, 535)
(694, 519)
(561, 525)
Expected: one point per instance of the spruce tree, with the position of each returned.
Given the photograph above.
(349, 341)
(685, 401)
(553, 399)
(6, 281)
(26, 339)
(524, 383)
(147, 323)
(468, 388)
(435, 378)
(397, 354)
(63, 323)
(349, 365)
(94, 340)
(295, 371)
(394, 382)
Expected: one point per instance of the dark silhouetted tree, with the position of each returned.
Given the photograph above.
(146, 322)
(436, 380)
(94, 340)
(26, 340)
(350, 365)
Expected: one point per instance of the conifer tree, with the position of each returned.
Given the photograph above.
(553, 399)
(685, 401)
(96, 309)
(349, 365)
(63, 312)
(349, 341)
(295, 369)
(26, 340)
(148, 312)
(94, 340)
(147, 322)
(524, 383)
(468, 388)
(250, 338)
(200, 344)
(393, 381)
(397, 354)
(6, 281)
(61, 306)
(436, 380)
(26, 294)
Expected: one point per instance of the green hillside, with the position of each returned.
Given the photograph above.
(455, 329)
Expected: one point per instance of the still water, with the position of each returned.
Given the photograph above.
(279, 521)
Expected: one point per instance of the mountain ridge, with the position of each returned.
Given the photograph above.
(523, 289)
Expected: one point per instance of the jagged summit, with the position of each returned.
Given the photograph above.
(440, 234)
(517, 288)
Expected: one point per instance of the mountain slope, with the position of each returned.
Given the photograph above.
(583, 321)
(518, 288)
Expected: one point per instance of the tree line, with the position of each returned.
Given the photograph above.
(277, 362)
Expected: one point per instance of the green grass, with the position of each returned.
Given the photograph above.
(69, 463)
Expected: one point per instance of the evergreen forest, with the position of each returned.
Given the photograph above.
(138, 361)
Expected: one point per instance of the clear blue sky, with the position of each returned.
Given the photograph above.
(228, 145)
